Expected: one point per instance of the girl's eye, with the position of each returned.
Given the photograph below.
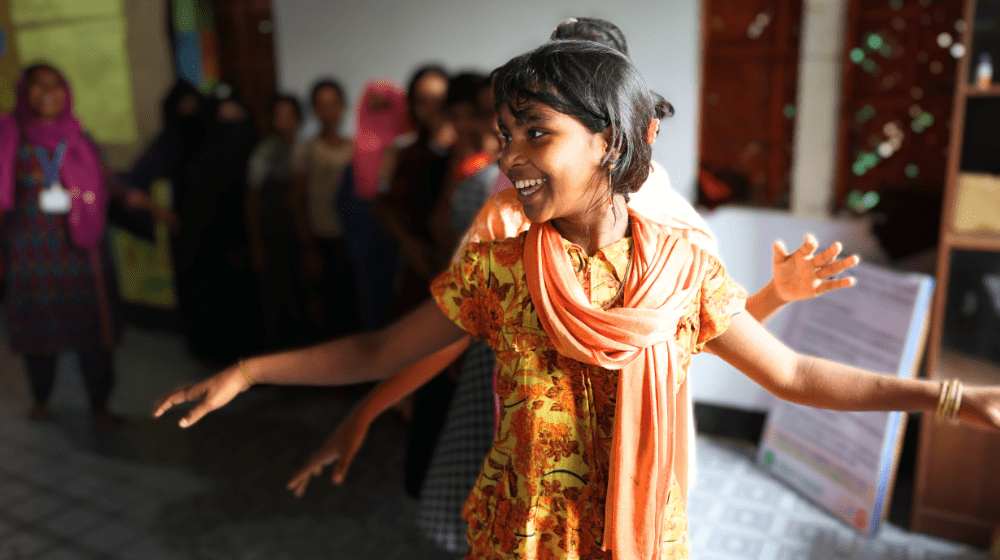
(534, 133)
(505, 137)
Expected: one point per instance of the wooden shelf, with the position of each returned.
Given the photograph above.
(970, 90)
(973, 241)
(957, 493)
(969, 369)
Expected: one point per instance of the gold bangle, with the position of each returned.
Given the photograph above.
(942, 399)
(244, 372)
(956, 402)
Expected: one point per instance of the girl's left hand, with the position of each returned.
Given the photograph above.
(804, 275)
(340, 448)
(980, 406)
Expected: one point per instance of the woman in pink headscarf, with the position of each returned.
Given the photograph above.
(53, 195)
(381, 118)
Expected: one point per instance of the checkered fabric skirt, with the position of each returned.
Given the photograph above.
(461, 449)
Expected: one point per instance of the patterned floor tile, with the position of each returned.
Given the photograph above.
(150, 491)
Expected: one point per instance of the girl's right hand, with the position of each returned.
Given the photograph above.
(341, 448)
(214, 392)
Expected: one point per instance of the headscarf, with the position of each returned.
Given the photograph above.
(184, 134)
(211, 206)
(650, 432)
(377, 129)
(81, 173)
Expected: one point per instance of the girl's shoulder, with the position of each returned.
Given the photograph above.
(498, 253)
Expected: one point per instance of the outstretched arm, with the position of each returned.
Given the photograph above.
(344, 443)
(354, 359)
(820, 383)
(799, 276)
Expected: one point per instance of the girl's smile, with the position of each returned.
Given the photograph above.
(526, 187)
(554, 161)
(558, 167)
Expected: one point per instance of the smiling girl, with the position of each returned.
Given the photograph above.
(593, 313)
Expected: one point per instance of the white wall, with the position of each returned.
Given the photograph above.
(358, 39)
(818, 107)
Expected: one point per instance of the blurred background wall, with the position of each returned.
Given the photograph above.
(358, 39)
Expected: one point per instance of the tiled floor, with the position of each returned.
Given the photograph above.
(148, 491)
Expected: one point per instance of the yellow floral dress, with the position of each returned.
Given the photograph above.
(542, 489)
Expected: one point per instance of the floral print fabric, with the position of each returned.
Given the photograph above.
(542, 490)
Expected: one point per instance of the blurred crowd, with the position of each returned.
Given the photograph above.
(286, 240)
(275, 242)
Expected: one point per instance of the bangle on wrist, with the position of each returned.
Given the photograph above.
(949, 401)
(243, 370)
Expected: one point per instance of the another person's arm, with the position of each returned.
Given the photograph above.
(802, 275)
(153, 164)
(354, 359)
(344, 443)
(821, 383)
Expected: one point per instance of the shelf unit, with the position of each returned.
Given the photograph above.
(957, 493)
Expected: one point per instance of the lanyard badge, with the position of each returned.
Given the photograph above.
(53, 199)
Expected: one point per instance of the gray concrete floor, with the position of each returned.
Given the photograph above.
(149, 491)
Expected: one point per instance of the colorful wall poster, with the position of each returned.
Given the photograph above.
(24, 12)
(846, 461)
(145, 274)
(92, 55)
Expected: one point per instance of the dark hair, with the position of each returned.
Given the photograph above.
(286, 98)
(29, 72)
(419, 74)
(327, 83)
(597, 86)
(591, 29)
(463, 87)
(604, 32)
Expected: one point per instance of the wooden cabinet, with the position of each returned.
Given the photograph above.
(957, 493)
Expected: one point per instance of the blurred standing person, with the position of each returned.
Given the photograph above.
(210, 252)
(414, 192)
(173, 155)
(166, 157)
(54, 194)
(318, 166)
(381, 119)
(270, 221)
(471, 155)
(416, 183)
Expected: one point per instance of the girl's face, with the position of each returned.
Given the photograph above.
(286, 120)
(328, 106)
(555, 162)
(427, 98)
(46, 94)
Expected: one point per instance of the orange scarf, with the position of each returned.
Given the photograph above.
(651, 418)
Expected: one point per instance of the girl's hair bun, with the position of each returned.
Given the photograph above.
(661, 107)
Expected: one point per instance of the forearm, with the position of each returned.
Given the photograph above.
(362, 357)
(765, 303)
(825, 384)
(345, 361)
(399, 386)
(750, 348)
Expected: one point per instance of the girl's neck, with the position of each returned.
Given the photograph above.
(599, 226)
